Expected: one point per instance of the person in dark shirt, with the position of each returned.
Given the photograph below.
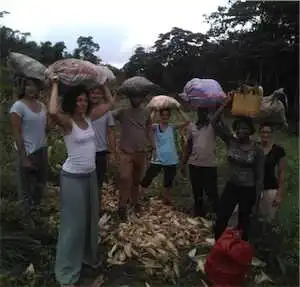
(272, 195)
(246, 172)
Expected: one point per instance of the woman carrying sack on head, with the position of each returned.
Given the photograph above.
(246, 173)
(166, 156)
(200, 155)
(79, 195)
(28, 118)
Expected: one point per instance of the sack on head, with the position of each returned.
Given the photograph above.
(137, 86)
(163, 102)
(110, 76)
(26, 66)
(74, 72)
(203, 93)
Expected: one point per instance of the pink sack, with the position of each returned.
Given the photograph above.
(73, 72)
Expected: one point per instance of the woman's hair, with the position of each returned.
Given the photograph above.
(266, 124)
(100, 88)
(202, 116)
(69, 99)
(21, 82)
(247, 121)
(165, 110)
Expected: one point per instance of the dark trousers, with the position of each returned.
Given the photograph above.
(204, 179)
(101, 167)
(233, 194)
(154, 169)
(32, 182)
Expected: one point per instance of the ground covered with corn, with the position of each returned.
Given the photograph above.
(163, 246)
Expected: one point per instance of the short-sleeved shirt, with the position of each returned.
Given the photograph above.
(166, 153)
(33, 126)
(246, 167)
(100, 126)
(134, 126)
(272, 159)
(204, 145)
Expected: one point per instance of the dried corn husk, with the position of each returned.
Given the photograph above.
(154, 239)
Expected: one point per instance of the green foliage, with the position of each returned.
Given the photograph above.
(86, 49)
(16, 248)
(56, 156)
(241, 47)
(46, 52)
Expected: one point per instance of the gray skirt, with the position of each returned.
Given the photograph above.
(78, 231)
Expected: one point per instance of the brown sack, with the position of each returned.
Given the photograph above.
(273, 108)
(137, 85)
(26, 66)
(73, 72)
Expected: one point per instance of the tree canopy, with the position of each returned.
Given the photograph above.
(248, 42)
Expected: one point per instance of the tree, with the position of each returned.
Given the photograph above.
(137, 63)
(267, 49)
(86, 50)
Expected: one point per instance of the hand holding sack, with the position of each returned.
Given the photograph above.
(203, 93)
(26, 66)
(73, 72)
(137, 86)
(163, 102)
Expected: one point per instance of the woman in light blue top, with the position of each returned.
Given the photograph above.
(29, 121)
(165, 156)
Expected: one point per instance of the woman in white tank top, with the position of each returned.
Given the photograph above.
(78, 232)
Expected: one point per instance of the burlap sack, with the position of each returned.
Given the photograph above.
(73, 72)
(163, 102)
(26, 66)
(138, 86)
(111, 78)
(273, 108)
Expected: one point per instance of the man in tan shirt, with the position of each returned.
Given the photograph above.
(135, 139)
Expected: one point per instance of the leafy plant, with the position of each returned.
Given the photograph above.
(16, 248)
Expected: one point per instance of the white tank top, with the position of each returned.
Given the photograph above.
(81, 149)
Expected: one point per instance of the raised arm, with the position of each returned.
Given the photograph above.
(100, 110)
(64, 121)
(184, 118)
(216, 117)
(153, 115)
(221, 129)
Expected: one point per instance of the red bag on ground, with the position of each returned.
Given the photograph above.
(229, 260)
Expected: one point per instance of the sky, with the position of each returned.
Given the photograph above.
(118, 26)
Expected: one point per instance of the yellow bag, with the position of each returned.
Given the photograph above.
(247, 101)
